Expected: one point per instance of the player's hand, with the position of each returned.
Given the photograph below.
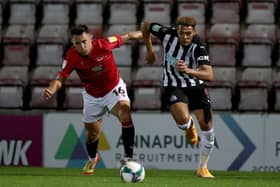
(47, 94)
(181, 66)
(150, 57)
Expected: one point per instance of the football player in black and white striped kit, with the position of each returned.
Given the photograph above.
(186, 67)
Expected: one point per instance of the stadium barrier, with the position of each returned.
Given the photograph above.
(248, 142)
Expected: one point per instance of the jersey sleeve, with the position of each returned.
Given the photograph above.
(158, 30)
(66, 69)
(202, 55)
(111, 42)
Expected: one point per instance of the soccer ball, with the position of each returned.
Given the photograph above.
(132, 172)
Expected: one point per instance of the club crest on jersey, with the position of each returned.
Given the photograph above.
(97, 68)
(112, 39)
(99, 58)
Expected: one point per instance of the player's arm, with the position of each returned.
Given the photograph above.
(150, 56)
(133, 35)
(53, 87)
(204, 72)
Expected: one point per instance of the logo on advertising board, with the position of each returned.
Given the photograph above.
(73, 149)
(243, 138)
(21, 141)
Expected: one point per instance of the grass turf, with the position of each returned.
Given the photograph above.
(49, 177)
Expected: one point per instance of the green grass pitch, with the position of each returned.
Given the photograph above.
(49, 177)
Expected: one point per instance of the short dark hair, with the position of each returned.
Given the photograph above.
(186, 21)
(79, 29)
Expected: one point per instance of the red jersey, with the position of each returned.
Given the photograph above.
(97, 71)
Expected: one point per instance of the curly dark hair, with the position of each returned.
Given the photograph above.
(186, 21)
(79, 29)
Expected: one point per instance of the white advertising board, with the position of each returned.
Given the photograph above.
(272, 145)
(243, 142)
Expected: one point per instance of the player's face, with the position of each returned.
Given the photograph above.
(82, 43)
(185, 34)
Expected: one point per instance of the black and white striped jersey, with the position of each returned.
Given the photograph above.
(194, 55)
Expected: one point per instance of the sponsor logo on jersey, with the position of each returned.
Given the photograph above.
(99, 58)
(156, 28)
(171, 60)
(97, 68)
(203, 58)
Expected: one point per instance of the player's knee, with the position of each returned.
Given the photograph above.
(124, 113)
(182, 120)
(125, 109)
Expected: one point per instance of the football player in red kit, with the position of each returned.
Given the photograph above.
(104, 90)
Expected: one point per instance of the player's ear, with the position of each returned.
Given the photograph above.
(90, 35)
(72, 41)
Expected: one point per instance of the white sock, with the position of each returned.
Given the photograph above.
(186, 125)
(127, 158)
(91, 159)
(203, 161)
(207, 146)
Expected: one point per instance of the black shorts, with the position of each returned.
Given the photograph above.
(195, 97)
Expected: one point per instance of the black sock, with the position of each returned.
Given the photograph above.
(92, 148)
(128, 140)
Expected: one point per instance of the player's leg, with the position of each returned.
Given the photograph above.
(178, 106)
(92, 139)
(92, 117)
(184, 121)
(118, 103)
(201, 106)
(122, 111)
(205, 121)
